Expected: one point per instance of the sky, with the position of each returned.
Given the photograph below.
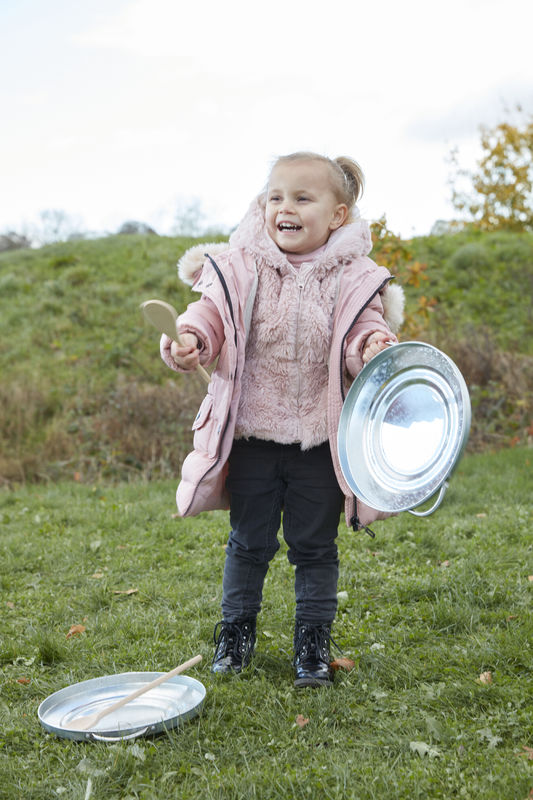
(118, 110)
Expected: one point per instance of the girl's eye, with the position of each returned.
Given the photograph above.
(303, 198)
(274, 198)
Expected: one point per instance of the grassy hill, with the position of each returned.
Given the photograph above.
(84, 393)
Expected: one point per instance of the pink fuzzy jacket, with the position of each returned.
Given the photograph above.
(338, 303)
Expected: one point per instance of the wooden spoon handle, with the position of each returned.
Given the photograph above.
(138, 692)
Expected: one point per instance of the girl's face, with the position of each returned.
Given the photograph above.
(301, 207)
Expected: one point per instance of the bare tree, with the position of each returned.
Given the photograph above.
(56, 226)
(190, 218)
(132, 226)
(11, 240)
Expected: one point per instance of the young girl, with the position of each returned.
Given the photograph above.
(292, 310)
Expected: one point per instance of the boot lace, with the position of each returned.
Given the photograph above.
(232, 638)
(314, 641)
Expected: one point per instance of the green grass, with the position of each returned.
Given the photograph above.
(481, 280)
(78, 361)
(73, 308)
(84, 392)
(427, 607)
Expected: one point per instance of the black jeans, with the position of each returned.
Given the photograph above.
(264, 480)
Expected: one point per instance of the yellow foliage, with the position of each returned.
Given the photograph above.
(396, 254)
(502, 184)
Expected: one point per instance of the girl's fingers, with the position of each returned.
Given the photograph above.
(373, 347)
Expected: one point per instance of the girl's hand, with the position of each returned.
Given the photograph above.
(375, 343)
(186, 353)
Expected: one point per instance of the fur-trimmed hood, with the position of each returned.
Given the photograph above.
(349, 242)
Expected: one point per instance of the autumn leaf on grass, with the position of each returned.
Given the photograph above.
(492, 740)
(485, 677)
(125, 591)
(97, 575)
(343, 663)
(24, 681)
(10, 604)
(528, 753)
(75, 630)
(424, 749)
(301, 721)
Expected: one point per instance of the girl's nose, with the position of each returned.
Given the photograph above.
(287, 207)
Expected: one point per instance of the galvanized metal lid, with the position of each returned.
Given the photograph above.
(160, 709)
(403, 426)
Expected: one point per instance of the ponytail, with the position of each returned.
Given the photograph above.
(353, 179)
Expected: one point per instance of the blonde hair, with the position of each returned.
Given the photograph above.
(346, 175)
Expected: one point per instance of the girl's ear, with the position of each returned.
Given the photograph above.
(340, 216)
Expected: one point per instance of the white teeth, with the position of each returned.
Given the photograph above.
(286, 226)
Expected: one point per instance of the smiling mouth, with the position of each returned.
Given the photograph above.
(288, 226)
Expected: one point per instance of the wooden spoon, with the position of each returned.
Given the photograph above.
(163, 317)
(90, 720)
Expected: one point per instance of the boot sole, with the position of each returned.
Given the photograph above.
(301, 683)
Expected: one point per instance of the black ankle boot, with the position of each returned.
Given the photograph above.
(311, 655)
(234, 645)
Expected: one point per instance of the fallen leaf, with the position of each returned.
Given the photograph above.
(424, 749)
(342, 599)
(75, 630)
(528, 753)
(121, 547)
(512, 616)
(88, 767)
(493, 740)
(481, 516)
(77, 476)
(485, 677)
(530, 578)
(125, 591)
(10, 604)
(444, 563)
(343, 663)
(24, 681)
(97, 575)
(175, 516)
(301, 721)
(137, 751)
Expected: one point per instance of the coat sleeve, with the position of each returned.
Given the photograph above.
(203, 320)
(370, 321)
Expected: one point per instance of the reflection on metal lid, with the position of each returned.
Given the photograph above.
(403, 426)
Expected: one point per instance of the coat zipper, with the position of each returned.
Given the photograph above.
(301, 279)
(354, 521)
(300, 285)
(222, 435)
(341, 371)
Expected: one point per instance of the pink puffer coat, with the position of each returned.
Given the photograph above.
(222, 318)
